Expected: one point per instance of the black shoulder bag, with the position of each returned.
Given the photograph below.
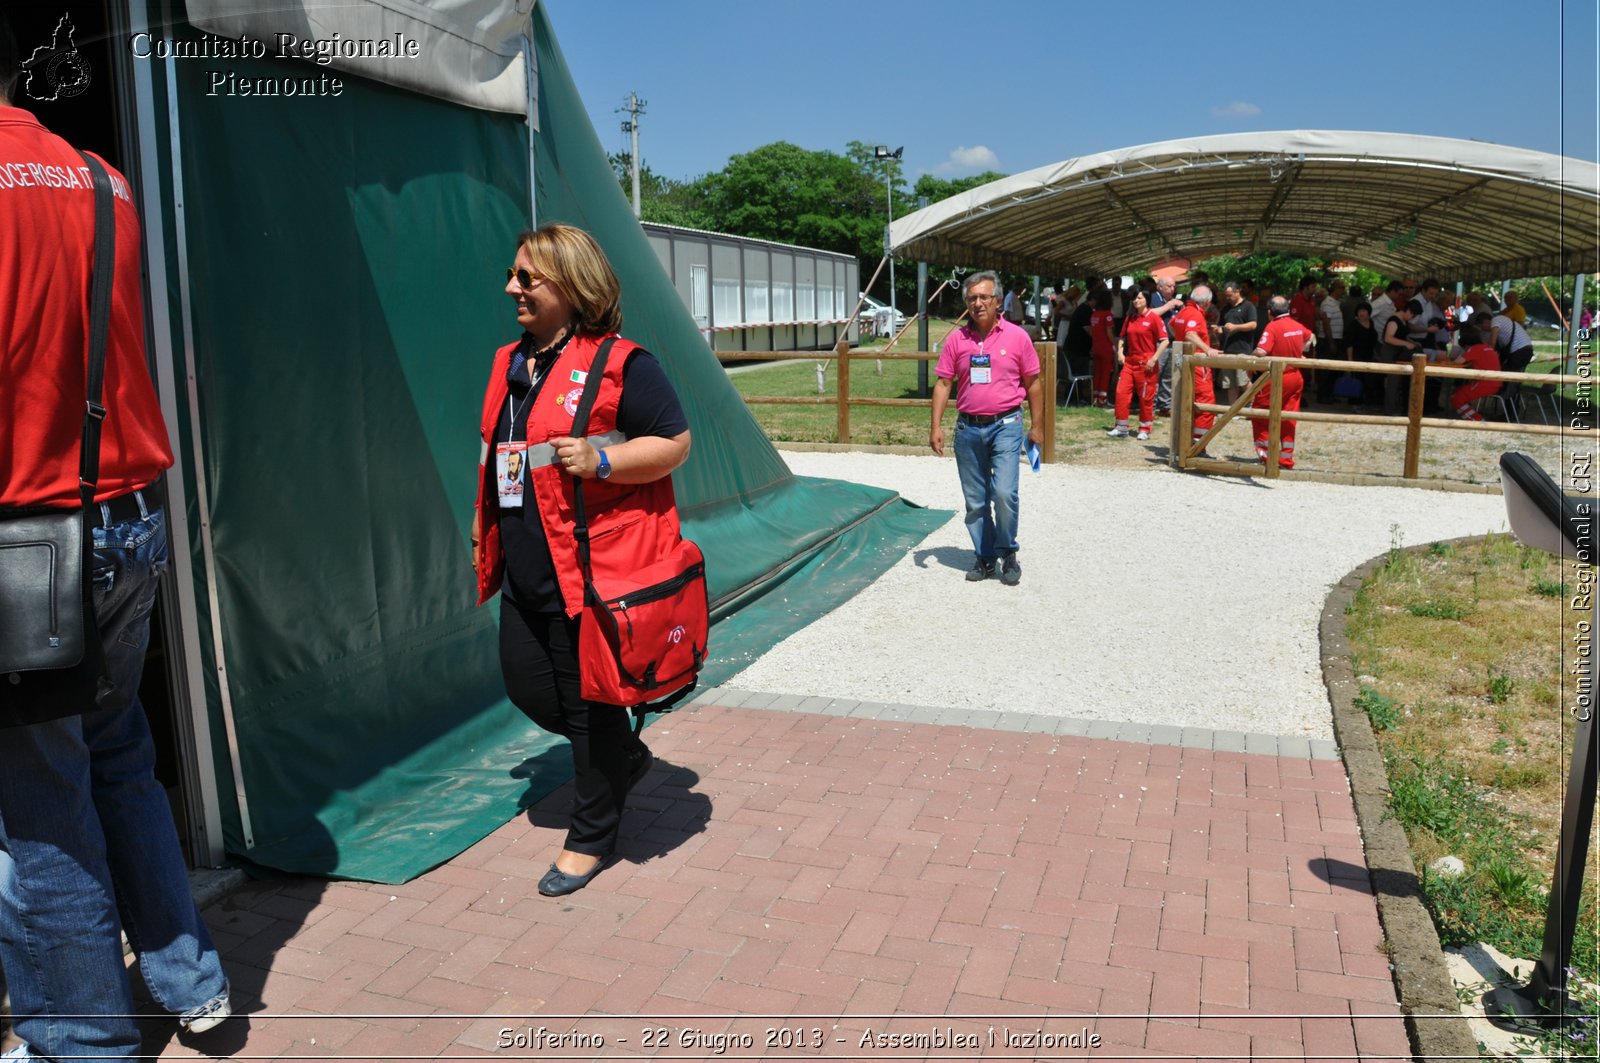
(51, 661)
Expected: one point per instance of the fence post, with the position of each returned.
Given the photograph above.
(1047, 383)
(1182, 399)
(1274, 419)
(1183, 416)
(843, 378)
(1419, 366)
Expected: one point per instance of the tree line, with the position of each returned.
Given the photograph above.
(837, 202)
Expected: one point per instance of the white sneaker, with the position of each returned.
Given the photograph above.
(210, 1016)
(1142, 434)
(1118, 432)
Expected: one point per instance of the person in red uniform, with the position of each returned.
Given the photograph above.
(1284, 337)
(567, 302)
(1192, 326)
(1476, 355)
(88, 849)
(1303, 308)
(1144, 337)
(1102, 346)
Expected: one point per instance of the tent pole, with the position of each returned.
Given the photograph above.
(532, 118)
(202, 489)
(1572, 322)
(182, 630)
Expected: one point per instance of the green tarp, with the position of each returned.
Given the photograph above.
(345, 262)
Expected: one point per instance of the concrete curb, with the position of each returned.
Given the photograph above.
(1422, 979)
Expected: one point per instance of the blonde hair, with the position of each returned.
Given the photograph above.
(568, 257)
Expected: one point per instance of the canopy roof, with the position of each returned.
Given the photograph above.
(1462, 209)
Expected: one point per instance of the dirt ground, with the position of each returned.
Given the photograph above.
(1459, 458)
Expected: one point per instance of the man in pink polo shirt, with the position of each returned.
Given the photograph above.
(997, 367)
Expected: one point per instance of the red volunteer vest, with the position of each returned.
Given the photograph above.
(648, 513)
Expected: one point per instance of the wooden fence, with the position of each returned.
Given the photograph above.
(844, 354)
(1185, 450)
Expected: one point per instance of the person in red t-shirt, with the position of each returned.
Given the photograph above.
(1284, 337)
(86, 829)
(1144, 337)
(1477, 355)
(1102, 346)
(1190, 325)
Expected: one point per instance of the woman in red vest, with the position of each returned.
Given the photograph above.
(566, 298)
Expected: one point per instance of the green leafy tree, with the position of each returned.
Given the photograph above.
(937, 188)
(786, 193)
(662, 199)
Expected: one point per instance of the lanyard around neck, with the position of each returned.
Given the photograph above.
(536, 376)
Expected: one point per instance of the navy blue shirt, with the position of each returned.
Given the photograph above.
(649, 407)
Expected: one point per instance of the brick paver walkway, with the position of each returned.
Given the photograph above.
(829, 887)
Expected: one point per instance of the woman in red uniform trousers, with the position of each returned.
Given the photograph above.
(1477, 355)
(1102, 346)
(1284, 337)
(1144, 334)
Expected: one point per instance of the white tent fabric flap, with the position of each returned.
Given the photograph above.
(466, 51)
(1396, 202)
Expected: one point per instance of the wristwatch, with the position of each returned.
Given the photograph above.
(604, 471)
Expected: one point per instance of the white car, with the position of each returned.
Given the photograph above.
(878, 314)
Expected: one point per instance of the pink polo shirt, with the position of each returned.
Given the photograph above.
(1012, 360)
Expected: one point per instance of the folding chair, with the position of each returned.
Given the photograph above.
(1072, 385)
(1540, 395)
(1508, 412)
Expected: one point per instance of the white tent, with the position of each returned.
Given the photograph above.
(1402, 204)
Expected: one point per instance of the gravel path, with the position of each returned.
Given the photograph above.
(1147, 596)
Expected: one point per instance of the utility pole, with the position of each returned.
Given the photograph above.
(889, 158)
(634, 107)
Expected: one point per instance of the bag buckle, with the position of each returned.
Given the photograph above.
(97, 411)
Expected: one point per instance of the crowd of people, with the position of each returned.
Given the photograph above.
(1122, 341)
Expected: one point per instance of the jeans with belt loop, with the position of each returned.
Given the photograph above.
(988, 460)
(88, 848)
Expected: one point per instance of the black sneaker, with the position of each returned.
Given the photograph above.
(981, 570)
(1010, 571)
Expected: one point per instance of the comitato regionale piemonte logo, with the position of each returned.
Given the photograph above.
(56, 71)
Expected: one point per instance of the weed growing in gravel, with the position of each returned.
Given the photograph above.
(1500, 687)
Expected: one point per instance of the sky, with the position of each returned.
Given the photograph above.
(967, 87)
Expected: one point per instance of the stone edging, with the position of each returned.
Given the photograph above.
(1427, 993)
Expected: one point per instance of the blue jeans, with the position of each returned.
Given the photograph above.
(988, 459)
(88, 847)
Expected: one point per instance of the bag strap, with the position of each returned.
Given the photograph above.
(580, 429)
(105, 242)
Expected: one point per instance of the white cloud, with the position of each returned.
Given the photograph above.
(965, 160)
(1236, 109)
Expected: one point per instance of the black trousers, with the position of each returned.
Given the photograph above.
(539, 659)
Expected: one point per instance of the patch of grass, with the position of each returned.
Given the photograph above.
(1549, 588)
(1438, 609)
(1477, 755)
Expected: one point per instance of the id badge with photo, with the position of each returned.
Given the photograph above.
(979, 369)
(511, 473)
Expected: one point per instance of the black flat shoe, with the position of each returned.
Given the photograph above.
(557, 883)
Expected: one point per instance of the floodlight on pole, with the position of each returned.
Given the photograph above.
(883, 154)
